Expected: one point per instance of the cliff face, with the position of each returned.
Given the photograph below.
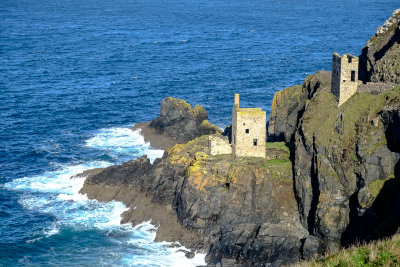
(380, 58)
(339, 183)
(238, 210)
(288, 106)
(344, 159)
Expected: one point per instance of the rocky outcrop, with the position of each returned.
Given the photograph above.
(237, 210)
(339, 183)
(380, 58)
(178, 123)
(344, 159)
(288, 106)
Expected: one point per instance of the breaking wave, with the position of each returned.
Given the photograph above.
(95, 224)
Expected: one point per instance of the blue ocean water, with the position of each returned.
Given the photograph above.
(75, 75)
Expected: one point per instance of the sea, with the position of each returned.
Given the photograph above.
(76, 75)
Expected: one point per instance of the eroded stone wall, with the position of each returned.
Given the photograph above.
(344, 77)
(219, 146)
(249, 132)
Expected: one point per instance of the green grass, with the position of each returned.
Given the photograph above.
(277, 145)
(276, 161)
(378, 253)
(321, 116)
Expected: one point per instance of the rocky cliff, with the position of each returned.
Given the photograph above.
(339, 183)
(345, 158)
(237, 210)
(380, 58)
(346, 161)
(178, 123)
(288, 106)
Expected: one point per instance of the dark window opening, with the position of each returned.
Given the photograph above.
(254, 142)
(247, 130)
(349, 58)
(228, 185)
(353, 75)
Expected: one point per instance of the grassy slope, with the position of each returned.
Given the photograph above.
(379, 253)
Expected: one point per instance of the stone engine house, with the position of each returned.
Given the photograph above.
(248, 131)
(344, 77)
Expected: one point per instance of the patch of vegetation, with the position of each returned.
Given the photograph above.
(208, 128)
(179, 103)
(381, 143)
(282, 97)
(184, 154)
(382, 38)
(279, 151)
(276, 161)
(199, 111)
(378, 253)
(277, 145)
(376, 186)
(321, 116)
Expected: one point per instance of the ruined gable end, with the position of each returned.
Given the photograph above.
(344, 77)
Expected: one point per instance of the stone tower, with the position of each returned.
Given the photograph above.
(344, 77)
(248, 131)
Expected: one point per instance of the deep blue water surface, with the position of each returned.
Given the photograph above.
(74, 75)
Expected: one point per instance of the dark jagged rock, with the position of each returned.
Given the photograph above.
(241, 210)
(181, 122)
(178, 123)
(288, 106)
(228, 132)
(380, 58)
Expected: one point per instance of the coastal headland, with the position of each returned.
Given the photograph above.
(330, 179)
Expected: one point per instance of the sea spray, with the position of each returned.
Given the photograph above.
(56, 193)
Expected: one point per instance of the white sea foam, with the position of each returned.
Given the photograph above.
(123, 141)
(57, 194)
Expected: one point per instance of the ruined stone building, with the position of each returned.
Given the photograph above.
(248, 131)
(344, 77)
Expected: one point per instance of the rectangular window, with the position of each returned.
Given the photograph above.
(349, 58)
(247, 130)
(254, 142)
(353, 75)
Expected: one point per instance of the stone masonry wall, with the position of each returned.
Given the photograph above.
(348, 87)
(375, 88)
(250, 128)
(344, 77)
(218, 146)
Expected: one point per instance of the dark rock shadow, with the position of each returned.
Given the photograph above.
(382, 219)
(364, 73)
